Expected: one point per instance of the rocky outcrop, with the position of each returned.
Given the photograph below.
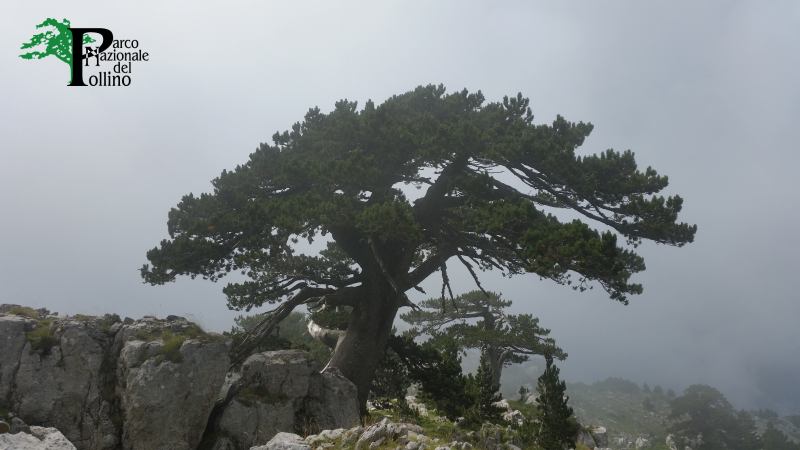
(104, 382)
(39, 438)
(282, 391)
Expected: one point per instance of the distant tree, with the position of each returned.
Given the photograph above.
(702, 410)
(341, 175)
(794, 419)
(774, 439)
(503, 339)
(670, 393)
(57, 43)
(766, 414)
(648, 404)
(658, 390)
(558, 428)
(646, 388)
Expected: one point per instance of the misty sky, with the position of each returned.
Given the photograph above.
(705, 92)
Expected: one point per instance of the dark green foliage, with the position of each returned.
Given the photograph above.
(658, 390)
(794, 419)
(648, 404)
(391, 378)
(337, 173)
(670, 393)
(646, 388)
(438, 373)
(703, 410)
(504, 338)
(486, 390)
(616, 385)
(558, 427)
(774, 439)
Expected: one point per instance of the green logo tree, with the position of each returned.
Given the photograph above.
(56, 42)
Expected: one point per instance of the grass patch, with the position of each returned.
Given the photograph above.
(61, 363)
(143, 335)
(24, 311)
(171, 351)
(41, 339)
(249, 395)
(4, 410)
(82, 317)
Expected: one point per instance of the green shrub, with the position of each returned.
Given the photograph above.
(41, 339)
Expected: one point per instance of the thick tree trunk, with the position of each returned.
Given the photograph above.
(493, 357)
(359, 351)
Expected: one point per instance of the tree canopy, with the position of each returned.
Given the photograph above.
(340, 175)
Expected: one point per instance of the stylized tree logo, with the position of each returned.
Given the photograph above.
(58, 43)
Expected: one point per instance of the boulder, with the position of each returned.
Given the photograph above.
(332, 401)
(263, 402)
(284, 441)
(642, 443)
(40, 438)
(600, 436)
(177, 395)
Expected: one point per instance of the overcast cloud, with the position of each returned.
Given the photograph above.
(705, 92)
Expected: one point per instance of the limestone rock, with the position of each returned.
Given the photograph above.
(40, 438)
(12, 341)
(586, 439)
(272, 387)
(332, 401)
(642, 443)
(600, 436)
(284, 441)
(176, 395)
(60, 381)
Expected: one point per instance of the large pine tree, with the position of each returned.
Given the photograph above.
(340, 174)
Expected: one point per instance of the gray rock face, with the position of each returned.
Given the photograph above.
(331, 401)
(263, 401)
(600, 436)
(12, 342)
(87, 376)
(176, 397)
(281, 391)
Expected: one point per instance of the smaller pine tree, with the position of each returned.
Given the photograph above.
(558, 428)
(658, 390)
(646, 388)
(670, 393)
(487, 394)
